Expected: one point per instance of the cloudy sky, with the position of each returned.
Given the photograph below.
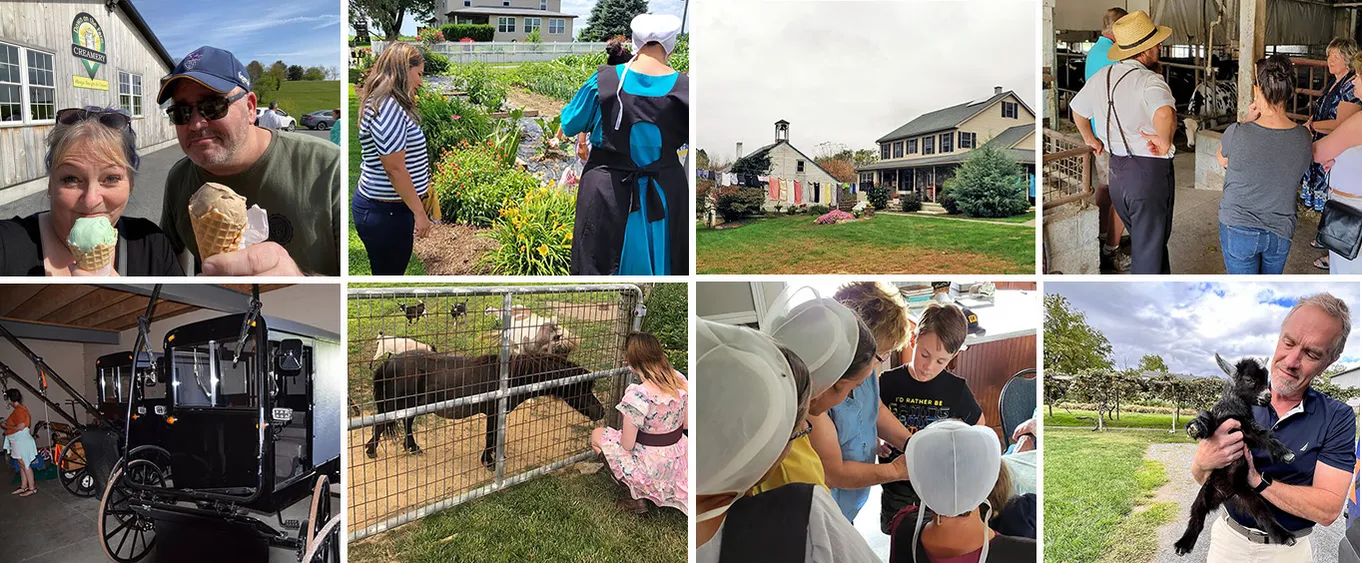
(301, 32)
(582, 9)
(1187, 323)
(849, 71)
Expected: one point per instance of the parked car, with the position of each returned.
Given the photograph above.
(320, 119)
(287, 122)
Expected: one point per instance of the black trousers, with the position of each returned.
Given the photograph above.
(1142, 192)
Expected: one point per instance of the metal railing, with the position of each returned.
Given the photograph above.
(504, 51)
(544, 364)
(1067, 165)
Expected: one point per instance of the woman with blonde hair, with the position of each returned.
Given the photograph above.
(648, 453)
(91, 161)
(395, 168)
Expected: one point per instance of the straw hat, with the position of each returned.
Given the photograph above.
(1135, 34)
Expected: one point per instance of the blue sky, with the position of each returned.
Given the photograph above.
(581, 8)
(301, 32)
(1187, 323)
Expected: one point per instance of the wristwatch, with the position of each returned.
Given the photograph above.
(1262, 485)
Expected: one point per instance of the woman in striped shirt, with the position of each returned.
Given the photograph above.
(395, 170)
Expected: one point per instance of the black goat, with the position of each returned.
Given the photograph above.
(413, 312)
(458, 310)
(1247, 387)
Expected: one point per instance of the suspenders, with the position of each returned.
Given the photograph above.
(1111, 109)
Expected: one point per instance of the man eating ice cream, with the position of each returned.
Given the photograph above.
(295, 179)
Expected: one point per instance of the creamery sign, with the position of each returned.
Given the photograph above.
(87, 45)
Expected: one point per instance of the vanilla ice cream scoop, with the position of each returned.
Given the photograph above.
(218, 217)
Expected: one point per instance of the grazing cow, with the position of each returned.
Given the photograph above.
(413, 312)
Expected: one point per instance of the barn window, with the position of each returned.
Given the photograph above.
(505, 24)
(929, 145)
(966, 140)
(912, 146)
(28, 87)
(130, 93)
(799, 166)
(898, 149)
(1010, 110)
(947, 142)
(557, 25)
(532, 24)
(884, 151)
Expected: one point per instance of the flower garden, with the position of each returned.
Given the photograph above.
(500, 171)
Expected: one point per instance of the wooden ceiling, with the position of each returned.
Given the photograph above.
(90, 306)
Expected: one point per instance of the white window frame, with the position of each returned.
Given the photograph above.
(505, 24)
(133, 102)
(946, 142)
(25, 87)
(560, 23)
(532, 24)
(928, 145)
(544, 5)
(1015, 110)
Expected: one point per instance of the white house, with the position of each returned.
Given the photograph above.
(514, 19)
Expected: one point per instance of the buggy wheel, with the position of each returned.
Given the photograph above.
(73, 471)
(126, 536)
(321, 541)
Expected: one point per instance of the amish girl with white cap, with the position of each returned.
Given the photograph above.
(840, 352)
(954, 467)
(751, 401)
(632, 201)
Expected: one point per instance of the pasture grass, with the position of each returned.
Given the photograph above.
(561, 517)
(884, 244)
(1153, 421)
(1095, 486)
(300, 97)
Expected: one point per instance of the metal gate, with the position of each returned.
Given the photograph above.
(505, 384)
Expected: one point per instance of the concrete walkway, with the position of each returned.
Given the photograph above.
(1031, 223)
(1182, 489)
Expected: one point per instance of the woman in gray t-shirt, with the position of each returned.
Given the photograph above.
(1264, 159)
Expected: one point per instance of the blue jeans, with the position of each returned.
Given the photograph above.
(387, 230)
(1251, 250)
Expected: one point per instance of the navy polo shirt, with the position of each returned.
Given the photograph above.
(1320, 429)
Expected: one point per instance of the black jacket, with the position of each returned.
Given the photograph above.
(142, 245)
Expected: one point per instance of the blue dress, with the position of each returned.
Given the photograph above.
(1315, 185)
(858, 437)
(647, 245)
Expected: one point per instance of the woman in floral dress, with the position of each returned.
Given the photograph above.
(1338, 102)
(648, 455)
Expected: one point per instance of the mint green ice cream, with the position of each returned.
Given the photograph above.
(90, 232)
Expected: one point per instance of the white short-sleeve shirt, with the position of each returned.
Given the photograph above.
(1136, 99)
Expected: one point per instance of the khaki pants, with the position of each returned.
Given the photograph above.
(1228, 546)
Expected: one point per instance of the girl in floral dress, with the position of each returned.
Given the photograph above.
(648, 455)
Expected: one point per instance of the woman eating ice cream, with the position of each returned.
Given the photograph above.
(91, 161)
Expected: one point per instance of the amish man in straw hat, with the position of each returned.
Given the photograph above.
(1132, 109)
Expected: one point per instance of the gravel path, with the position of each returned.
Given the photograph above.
(1182, 489)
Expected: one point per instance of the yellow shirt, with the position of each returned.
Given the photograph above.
(802, 466)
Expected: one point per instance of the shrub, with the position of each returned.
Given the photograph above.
(909, 203)
(879, 197)
(734, 202)
(535, 233)
(833, 217)
(430, 36)
(989, 184)
(435, 62)
(476, 32)
(667, 319)
(448, 122)
(947, 200)
(819, 209)
(472, 185)
(481, 87)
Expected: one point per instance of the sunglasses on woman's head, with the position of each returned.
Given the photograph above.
(112, 119)
(212, 109)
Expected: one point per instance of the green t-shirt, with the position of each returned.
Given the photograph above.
(296, 181)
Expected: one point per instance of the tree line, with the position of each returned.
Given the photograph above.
(270, 78)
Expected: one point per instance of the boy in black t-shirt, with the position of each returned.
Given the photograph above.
(922, 391)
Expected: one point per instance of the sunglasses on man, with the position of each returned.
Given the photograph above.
(212, 109)
(112, 119)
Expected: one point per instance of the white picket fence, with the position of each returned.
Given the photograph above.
(504, 51)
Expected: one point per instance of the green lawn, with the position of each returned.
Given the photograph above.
(564, 517)
(1024, 217)
(359, 259)
(304, 97)
(1067, 417)
(1093, 484)
(883, 245)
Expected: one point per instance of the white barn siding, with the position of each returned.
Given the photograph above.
(784, 165)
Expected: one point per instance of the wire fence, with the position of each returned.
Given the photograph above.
(516, 378)
(1067, 164)
(504, 51)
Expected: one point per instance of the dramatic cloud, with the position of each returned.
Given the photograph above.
(1187, 323)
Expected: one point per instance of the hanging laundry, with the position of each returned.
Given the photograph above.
(827, 195)
(775, 189)
(798, 192)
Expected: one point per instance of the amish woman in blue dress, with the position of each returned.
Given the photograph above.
(632, 200)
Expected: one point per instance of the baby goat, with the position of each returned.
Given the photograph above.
(1247, 387)
(413, 312)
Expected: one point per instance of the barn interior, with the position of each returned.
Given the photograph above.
(69, 327)
(1202, 65)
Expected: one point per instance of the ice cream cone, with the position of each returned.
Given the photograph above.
(218, 217)
(96, 259)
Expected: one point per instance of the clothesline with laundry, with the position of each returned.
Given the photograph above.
(782, 189)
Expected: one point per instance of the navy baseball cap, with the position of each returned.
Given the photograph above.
(214, 68)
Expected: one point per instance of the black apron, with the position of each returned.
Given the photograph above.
(772, 526)
(609, 186)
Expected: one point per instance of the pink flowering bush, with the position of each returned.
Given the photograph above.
(833, 217)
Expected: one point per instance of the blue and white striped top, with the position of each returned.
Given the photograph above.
(388, 131)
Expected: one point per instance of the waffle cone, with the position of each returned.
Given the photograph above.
(96, 259)
(216, 233)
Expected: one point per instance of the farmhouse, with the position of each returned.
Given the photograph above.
(800, 180)
(921, 155)
(514, 19)
(57, 55)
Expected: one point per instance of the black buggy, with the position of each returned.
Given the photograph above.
(115, 378)
(251, 427)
